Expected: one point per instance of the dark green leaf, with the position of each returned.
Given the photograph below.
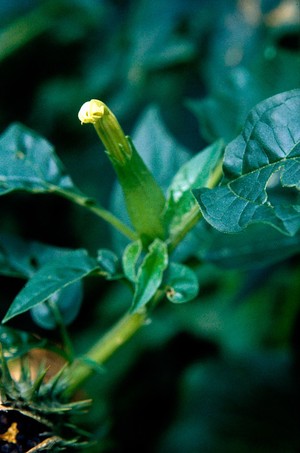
(68, 302)
(268, 146)
(159, 149)
(130, 258)
(28, 162)
(19, 258)
(223, 112)
(181, 283)
(52, 277)
(246, 249)
(150, 274)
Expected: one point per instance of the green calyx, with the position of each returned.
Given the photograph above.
(144, 198)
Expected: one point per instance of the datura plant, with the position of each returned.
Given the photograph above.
(252, 182)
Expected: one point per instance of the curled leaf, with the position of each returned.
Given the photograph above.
(181, 283)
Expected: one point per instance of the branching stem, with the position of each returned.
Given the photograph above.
(119, 334)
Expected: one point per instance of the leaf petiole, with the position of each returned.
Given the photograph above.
(100, 212)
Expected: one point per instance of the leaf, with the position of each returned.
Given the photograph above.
(163, 46)
(181, 283)
(130, 258)
(150, 274)
(193, 174)
(108, 263)
(247, 249)
(158, 148)
(19, 258)
(269, 145)
(28, 162)
(54, 276)
(67, 300)
(222, 114)
(16, 343)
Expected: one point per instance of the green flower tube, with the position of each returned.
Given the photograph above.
(144, 198)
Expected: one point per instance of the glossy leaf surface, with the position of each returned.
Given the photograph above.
(28, 162)
(248, 249)
(54, 276)
(269, 146)
(68, 302)
(20, 258)
(193, 174)
(150, 274)
(130, 257)
(181, 283)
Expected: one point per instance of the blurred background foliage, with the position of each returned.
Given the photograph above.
(220, 374)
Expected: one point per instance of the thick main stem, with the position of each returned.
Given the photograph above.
(80, 371)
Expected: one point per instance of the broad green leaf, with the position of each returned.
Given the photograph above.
(67, 300)
(193, 174)
(150, 274)
(158, 148)
(130, 258)
(19, 258)
(247, 249)
(28, 162)
(181, 283)
(223, 112)
(54, 276)
(269, 146)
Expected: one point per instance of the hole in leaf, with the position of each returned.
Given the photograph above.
(289, 41)
(277, 194)
(33, 262)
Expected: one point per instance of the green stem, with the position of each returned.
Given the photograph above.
(104, 348)
(67, 343)
(130, 323)
(100, 212)
(195, 214)
(216, 175)
(190, 221)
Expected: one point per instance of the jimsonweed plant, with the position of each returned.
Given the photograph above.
(238, 202)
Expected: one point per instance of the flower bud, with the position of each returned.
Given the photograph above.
(108, 129)
(143, 196)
